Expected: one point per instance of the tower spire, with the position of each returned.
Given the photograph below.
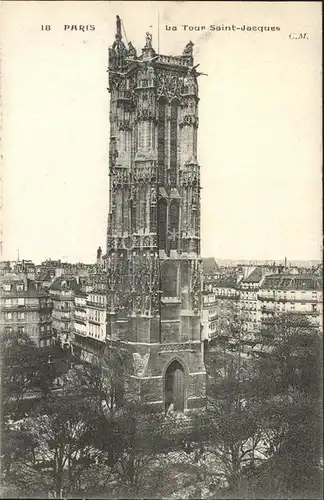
(118, 52)
(118, 28)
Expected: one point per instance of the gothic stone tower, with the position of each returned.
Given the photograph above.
(153, 240)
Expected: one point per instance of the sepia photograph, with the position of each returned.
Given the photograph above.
(161, 271)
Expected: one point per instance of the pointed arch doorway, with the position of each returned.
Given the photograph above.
(175, 387)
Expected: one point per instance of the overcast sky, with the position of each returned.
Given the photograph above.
(259, 135)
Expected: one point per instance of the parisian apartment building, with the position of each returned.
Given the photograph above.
(89, 323)
(253, 298)
(25, 308)
(301, 295)
(62, 292)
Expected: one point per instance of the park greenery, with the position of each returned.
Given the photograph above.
(66, 430)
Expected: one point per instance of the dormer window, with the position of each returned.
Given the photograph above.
(20, 287)
(6, 287)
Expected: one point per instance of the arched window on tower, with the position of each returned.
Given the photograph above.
(174, 225)
(141, 207)
(161, 140)
(153, 210)
(169, 279)
(125, 209)
(132, 206)
(119, 210)
(173, 142)
(185, 285)
(162, 224)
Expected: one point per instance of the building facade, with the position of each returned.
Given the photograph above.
(249, 306)
(301, 295)
(227, 296)
(25, 309)
(209, 315)
(153, 243)
(26, 267)
(97, 314)
(80, 321)
(90, 309)
(62, 292)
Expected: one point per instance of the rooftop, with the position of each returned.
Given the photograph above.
(46, 275)
(10, 277)
(254, 277)
(65, 283)
(30, 287)
(226, 282)
(293, 282)
(209, 265)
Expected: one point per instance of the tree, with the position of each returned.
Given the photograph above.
(288, 390)
(234, 429)
(16, 446)
(26, 367)
(62, 451)
(264, 419)
(100, 384)
(18, 360)
(141, 431)
(71, 436)
(51, 364)
(102, 381)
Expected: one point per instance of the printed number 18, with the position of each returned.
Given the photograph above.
(45, 27)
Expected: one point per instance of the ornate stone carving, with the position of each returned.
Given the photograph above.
(169, 84)
(118, 274)
(140, 363)
(115, 81)
(144, 173)
(124, 125)
(195, 199)
(183, 346)
(130, 242)
(153, 195)
(150, 73)
(189, 177)
(113, 153)
(118, 52)
(146, 241)
(196, 284)
(120, 176)
(131, 51)
(148, 40)
(188, 49)
(189, 120)
(127, 242)
(155, 304)
(145, 281)
(145, 114)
